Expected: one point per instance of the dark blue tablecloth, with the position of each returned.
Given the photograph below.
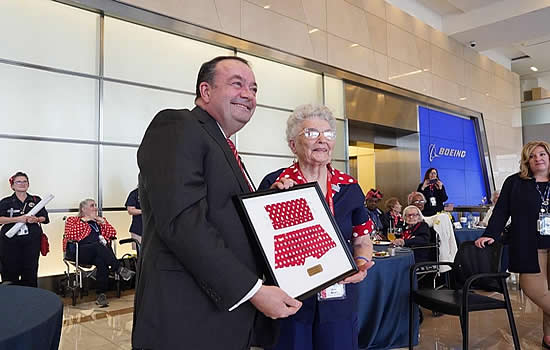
(384, 304)
(467, 234)
(30, 318)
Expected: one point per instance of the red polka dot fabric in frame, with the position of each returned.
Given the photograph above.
(289, 213)
(292, 248)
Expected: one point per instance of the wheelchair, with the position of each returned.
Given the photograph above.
(77, 274)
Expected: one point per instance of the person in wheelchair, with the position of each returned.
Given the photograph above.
(416, 233)
(94, 235)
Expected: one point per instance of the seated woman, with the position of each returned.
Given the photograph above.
(93, 233)
(372, 199)
(393, 217)
(416, 233)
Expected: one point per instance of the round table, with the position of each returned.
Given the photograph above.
(30, 318)
(384, 304)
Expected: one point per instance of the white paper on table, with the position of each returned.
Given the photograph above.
(15, 228)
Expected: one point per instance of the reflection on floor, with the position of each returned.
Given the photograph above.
(87, 327)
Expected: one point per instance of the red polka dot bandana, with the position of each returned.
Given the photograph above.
(292, 248)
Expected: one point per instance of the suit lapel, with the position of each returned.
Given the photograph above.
(212, 128)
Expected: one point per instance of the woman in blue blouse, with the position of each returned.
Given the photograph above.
(325, 323)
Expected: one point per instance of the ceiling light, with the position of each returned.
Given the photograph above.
(267, 7)
(354, 45)
(462, 98)
(534, 69)
(313, 30)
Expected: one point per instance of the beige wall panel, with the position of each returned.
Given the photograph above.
(120, 174)
(284, 86)
(334, 96)
(275, 30)
(354, 28)
(68, 171)
(52, 264)
(128, 110)
(50, 34)
(265, 133)
(144, 55)
(39, 103)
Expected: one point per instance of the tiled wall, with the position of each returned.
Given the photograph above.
(377, 40)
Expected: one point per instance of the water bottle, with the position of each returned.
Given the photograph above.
(470, 220)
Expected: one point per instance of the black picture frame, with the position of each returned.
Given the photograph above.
(323, 271)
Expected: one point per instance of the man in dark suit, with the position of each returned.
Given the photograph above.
(199, 283)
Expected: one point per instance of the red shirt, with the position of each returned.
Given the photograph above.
(76, 230)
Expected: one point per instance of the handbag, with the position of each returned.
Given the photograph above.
(44, 245)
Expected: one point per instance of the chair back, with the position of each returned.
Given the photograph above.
(471, 260)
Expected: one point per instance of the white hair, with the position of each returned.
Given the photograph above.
(304, 112)
(412, 207)
(83, 204)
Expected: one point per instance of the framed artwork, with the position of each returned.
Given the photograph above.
(299, 238)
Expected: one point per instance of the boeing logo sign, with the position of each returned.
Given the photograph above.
(435, 152)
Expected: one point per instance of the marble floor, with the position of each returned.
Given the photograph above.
(87, 327)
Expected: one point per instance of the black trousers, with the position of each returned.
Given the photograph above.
(20, 259)
(102, 257)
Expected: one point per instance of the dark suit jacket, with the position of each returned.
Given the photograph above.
(197, 260)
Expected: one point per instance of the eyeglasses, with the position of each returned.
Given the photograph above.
(312, 133)
(419, 202)
(412, 215)
(24, 182)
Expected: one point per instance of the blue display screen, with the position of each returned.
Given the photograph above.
(449, 144)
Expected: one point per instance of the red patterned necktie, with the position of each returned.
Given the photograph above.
(236, 154)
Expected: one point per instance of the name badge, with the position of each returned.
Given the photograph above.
(24, 230)
(335, 292)
(433, 201)
(543, 224)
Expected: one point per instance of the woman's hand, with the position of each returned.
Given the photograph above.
(22, 218)
(283, 184)
(361, 274)
(31, 219)
(439, 184)
(398, 242)
(99, 220)
(425, 184)
(481, 241)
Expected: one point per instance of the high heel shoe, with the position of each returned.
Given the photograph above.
(544, 345)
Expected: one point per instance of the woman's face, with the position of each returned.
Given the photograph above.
(20, 184)
(433, 174)
(396, 208)
(313, 150)
(538, 161)
(90, 209)
(412, 217)
(418, 202)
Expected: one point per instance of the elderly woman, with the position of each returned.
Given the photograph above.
(416, 233)
(393, 216)
(19, 254)
(372, 199)
(417, 199)
(525, 197)
(93, 234)
(328, 322)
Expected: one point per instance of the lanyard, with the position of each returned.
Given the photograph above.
(328, 197)
(544, 198)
